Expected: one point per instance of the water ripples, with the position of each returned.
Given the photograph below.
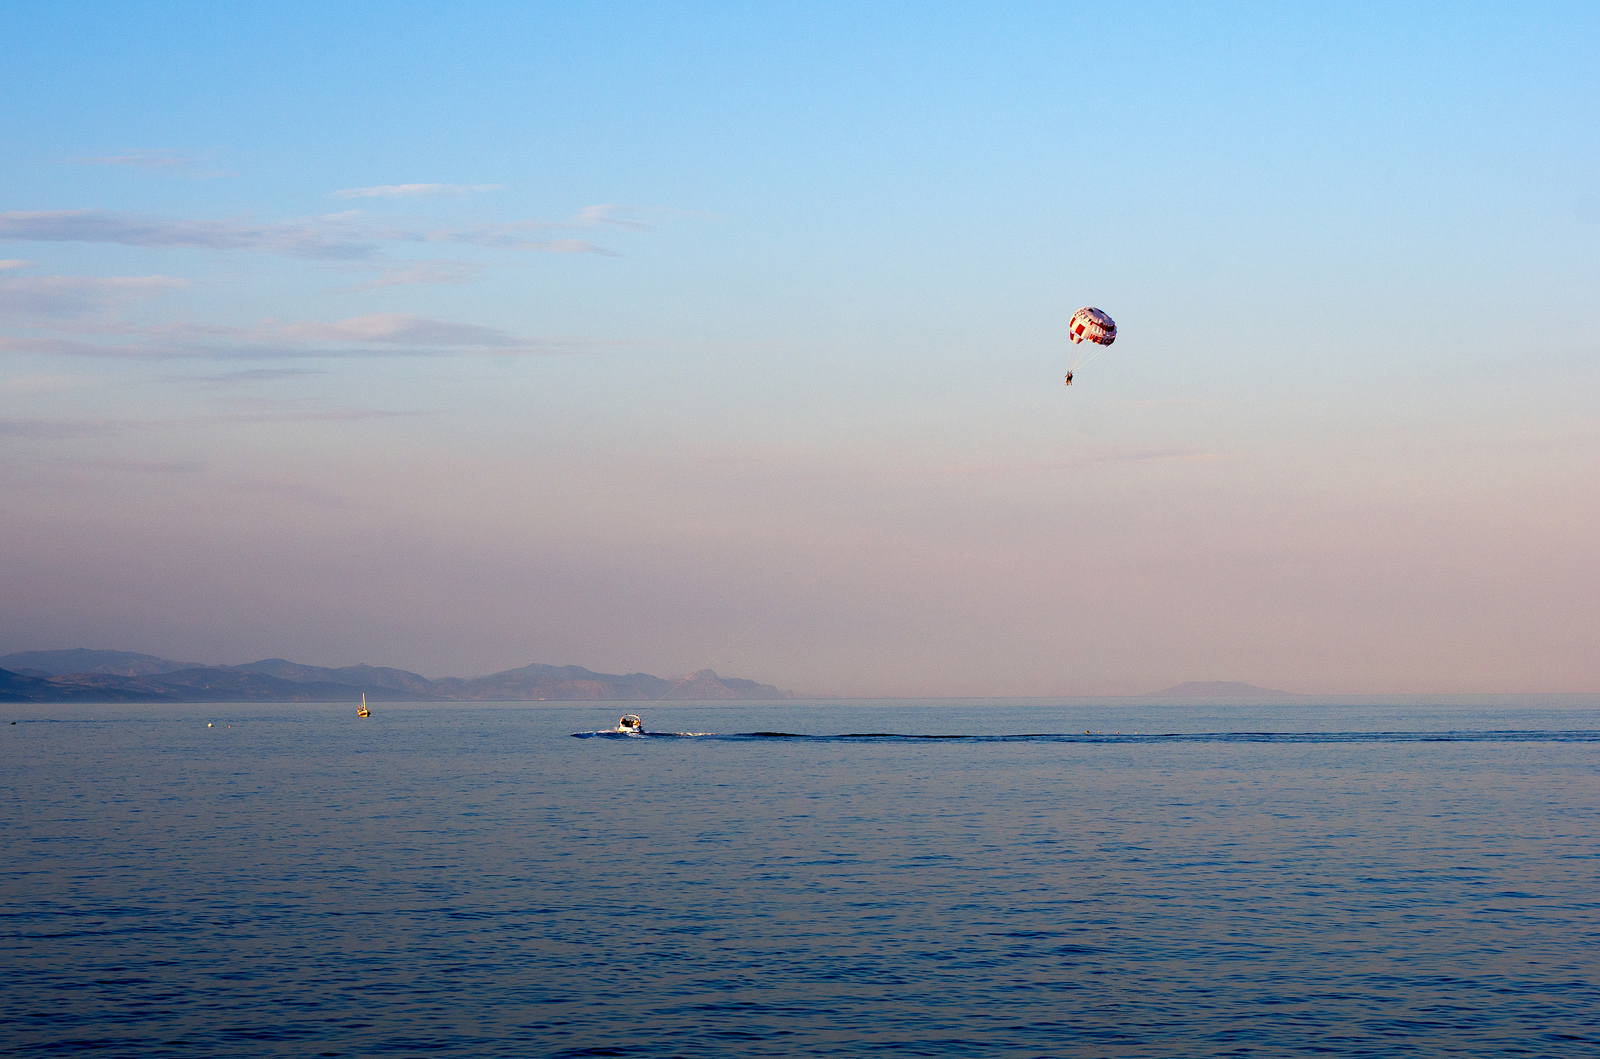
(463, 881)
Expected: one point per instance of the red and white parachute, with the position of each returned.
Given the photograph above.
(1094, 327)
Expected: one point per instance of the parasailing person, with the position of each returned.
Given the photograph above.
(1092, 326)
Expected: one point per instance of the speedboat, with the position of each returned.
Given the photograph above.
(630, 723)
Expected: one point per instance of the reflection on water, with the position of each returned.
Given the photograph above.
(1339, 879)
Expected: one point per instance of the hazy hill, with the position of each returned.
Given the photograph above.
(361, 676)
(18, 687)
(202, 684)
(128, 677)
(80, 687)
(1215, 689)
(83, 660)
(222, 684)
(575, 682)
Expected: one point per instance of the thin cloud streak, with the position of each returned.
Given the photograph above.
(128, 466)
(403, 190)
(563, 246)
(262, 351)
(45, 383)
(75, 296)
(617, 216)
(341, 236)
(140, 158)
(371, 335)
(1156, 455)
(64, 429)
(292, 490)
(514, 235)
(89, 429)
(153, 160)
(335, 415)
(826, 470)
(399, 328)
(326, 237)
(240, 378)
(419, 273)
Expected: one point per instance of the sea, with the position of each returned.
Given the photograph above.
(884, 878)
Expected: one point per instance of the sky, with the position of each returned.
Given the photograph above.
(646, 337)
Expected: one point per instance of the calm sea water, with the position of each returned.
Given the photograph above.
(1335, 879)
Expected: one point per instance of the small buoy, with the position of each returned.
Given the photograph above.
(210, 725)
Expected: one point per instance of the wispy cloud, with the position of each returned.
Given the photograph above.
(515, 236)
(63, 429)
(153, 160)
(330, 415)
(1080, 460)
(393, 191)
(140, 158)
(617, 216)
(244, 408)
(14, 262)
(329, 237)
(129, 466)
(45, 383)
(1155, 455)
(240, 378)
(396, 328)
(56, 297)
(348, 236)
(815, 467)
(416, 273)
(521, 235)
(89, 429)
(544, 246)
(371, 335)
(289, 489)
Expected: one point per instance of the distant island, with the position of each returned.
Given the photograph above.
(84, 675)
(1194, 689)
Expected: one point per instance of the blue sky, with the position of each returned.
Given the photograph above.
(457, 339)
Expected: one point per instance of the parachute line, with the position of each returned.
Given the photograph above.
(1092, 326)
(1077, 363)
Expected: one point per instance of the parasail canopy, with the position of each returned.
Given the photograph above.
(1092, 325)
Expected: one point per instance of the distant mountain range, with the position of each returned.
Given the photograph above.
(82, 675)
(1194, 689)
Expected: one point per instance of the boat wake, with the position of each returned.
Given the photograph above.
(1579, 736)
(612, 733)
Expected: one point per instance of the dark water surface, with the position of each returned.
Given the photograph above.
(1351, 880)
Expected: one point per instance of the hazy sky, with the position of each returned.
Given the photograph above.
(459, 337)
